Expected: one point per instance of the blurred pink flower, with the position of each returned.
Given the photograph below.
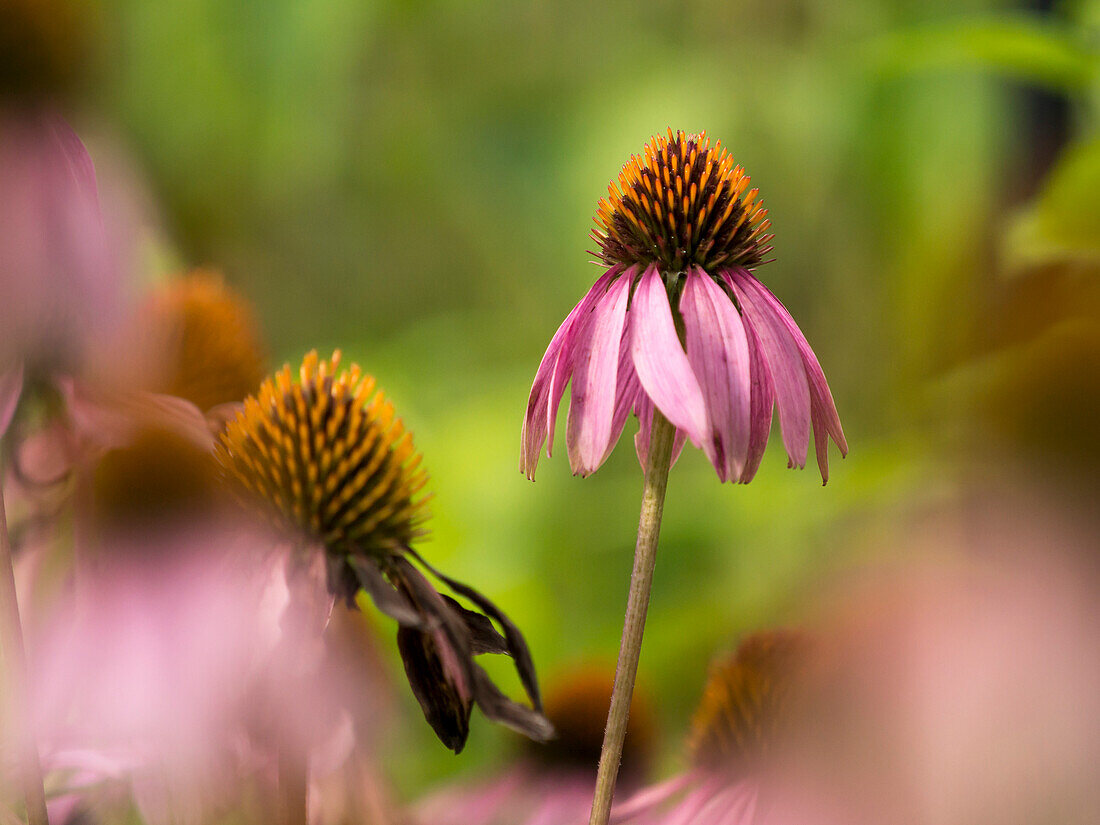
(955, 692)
(176, 668)
(59, 285)
(678, 322)
(746, 709)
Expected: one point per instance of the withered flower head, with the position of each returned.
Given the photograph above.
(204, 339)
(329, 464)
(747, 700)
(683, 204)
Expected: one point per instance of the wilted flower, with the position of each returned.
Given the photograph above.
(551, 783)
(333, 468)
(679, 323)
(747, 705)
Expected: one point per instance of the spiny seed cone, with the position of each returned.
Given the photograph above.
(206, 340)
(683, 204)
(747, 699)
(327, 458)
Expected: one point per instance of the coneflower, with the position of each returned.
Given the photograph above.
(330, 465)
(679, 331)
(749, 701)
(204, 340)
(679, 325)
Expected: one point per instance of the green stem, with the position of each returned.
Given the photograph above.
(641, 580)
(15, 659)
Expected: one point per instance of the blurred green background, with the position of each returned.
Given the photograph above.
(414, 182)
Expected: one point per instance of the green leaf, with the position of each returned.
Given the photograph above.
(1023, 47)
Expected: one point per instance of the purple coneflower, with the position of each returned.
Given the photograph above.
(678, 330)
(335, 471)
(678, 323)
(747, 706)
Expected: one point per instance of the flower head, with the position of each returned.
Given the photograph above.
(330, 465)
(683, 204)
(204, 340)
(747, 700)
(747, 704)
(677, 323)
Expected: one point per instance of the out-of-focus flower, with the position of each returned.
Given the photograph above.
(747, 705)
(552, 783)
(199, 340)
(337, 474)
(150, 666)
(679, 323)
(59, 286)
(961, 689)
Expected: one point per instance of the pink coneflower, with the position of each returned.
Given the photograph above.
(679, 323)
(678, 330)
(746, 708)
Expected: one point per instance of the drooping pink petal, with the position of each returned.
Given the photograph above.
(564, 368)
(761, 403)
(784, 365)
(111, 418)
(626, 390)
(719, 355)
(643, 409)
(550, 380)
(595, 372)
(11, 387)
(826, 420)
(660, 361)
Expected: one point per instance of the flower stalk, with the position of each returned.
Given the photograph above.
(641, 580)
(15, 663)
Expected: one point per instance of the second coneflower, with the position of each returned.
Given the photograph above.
(332, 466)
(750, 702)
(679, 331)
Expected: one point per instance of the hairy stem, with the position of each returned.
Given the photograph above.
(641, 580)
(15, 663)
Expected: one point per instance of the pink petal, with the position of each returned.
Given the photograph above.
(11, 387)
(826, 420)
(719, 355)
(113, 418)
(649, 798)
(627, 388)
(784, 365)
(595, 370)
(761, 402)
(549, 383)
(660, 361)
